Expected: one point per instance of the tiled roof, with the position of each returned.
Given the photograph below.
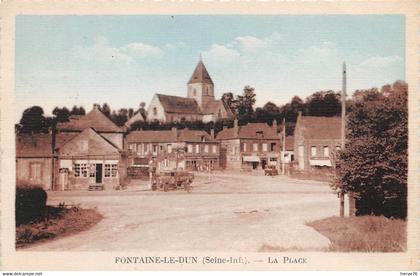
(63, 137)
(163, 136)
(186, 135)
(200, 74)
(158, 136)
(320, 127)
(175, 104)
(137, 117)
(249, 131)
(212, 107)
(33, 145)
(94, 119)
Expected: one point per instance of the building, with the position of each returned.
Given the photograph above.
(200, 103)
(137, 117)
(88, 161)
(34, 162)
(316, 140)
(252, 146)
(288, 154)
(98, 121)
(88, 150)
(170, 149)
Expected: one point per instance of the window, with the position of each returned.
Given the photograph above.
(35, 171)
(203, 138)
(80, 170)
(140, 148)
(161, 148)
(132, 147)
(92, 170)
(206, 148)
(272, 146)
(273, 159)
(326, 151)
(154, 149)
(154, 111)
(244, 145)
(197, 148)
(169, 148)
(313, 151)
(264, 146)
(255, 147)
(189, 149)
(214, 149)
(166, 163)
(110, 170)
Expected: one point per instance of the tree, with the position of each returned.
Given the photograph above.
(245, 104)
(373, 165)
(77, 111)
(268, 113)
(229, 100)
(105, 110)
(120, 117)
(323, 103)
(33, 121)
(61, 114)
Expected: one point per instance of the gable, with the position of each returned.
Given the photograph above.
(88, 143)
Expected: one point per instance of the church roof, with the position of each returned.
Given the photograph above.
(94, 119)
(212, 107)
(175, 104)
(200, 74)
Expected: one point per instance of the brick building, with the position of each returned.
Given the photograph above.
(316, 140)
(34, 160)
(168, 149)
(252, 146)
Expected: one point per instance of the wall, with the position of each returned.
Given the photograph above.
(160, 116)
(115, 138)
(23, 171)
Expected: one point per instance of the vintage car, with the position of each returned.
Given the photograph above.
(271, 170)
(172, 180)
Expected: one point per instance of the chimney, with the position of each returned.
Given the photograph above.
(174, 132)
(235, 128)
(95, 106)
(274, 126)
(212, 133)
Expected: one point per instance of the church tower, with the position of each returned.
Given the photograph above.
(201, 86)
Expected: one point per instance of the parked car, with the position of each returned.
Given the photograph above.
(172, 180)
(271, 170)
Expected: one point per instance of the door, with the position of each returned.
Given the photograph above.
(99, 173)
(301, 159)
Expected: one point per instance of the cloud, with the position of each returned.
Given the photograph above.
(220, 55)
(141, 50)
(101, 51)
(376, 63)
(254, 44)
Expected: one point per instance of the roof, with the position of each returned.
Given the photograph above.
(163, 136)
(63, 137)
(212, 107)
(187, 135)
(137, 117)
(249, 131)
(320, 127)
(157, 136)
(33, 145)
(175, 104)
(289, 143)
(200, 74)
(94, 119)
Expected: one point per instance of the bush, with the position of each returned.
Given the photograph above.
(30, 203)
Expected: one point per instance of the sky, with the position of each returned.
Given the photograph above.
(124, 60)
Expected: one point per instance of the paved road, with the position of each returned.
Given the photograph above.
(225, 213)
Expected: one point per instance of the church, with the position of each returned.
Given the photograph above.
(199, 105)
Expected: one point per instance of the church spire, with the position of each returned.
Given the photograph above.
(200, 74)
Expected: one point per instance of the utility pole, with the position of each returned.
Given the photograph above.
(343, 128)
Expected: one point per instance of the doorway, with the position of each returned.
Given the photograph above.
(263, 163)
(98, 173)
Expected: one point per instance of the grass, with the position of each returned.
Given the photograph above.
(55, 223)
(363, 234)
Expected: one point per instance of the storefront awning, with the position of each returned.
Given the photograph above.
(321, 163)
(252, 158)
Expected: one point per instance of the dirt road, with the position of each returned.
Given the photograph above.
(225, 213)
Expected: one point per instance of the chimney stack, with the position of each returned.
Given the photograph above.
(212, 133)
(235, 128)
(274, 126)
